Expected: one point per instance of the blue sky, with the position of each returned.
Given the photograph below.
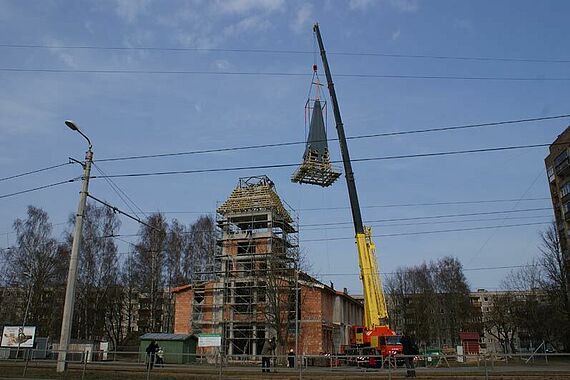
(131, 114)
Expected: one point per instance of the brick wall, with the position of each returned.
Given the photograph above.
(183, 311)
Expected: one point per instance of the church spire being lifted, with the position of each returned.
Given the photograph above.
(316, 168)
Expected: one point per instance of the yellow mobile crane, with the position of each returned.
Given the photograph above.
(375, 332)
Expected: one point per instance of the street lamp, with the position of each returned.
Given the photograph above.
(74, 259)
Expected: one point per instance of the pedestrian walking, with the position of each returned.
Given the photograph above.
(409, 349)
(266, 353)
(151, 351)
(291, 359)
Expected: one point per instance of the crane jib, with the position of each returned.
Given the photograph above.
(375, 311)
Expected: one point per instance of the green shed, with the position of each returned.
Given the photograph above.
(177, 348)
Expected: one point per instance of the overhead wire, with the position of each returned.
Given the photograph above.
(365, 159)
(35, 171)
(384, 134)
(456, 215)
(283, 51)
(119, 211)
(122, 195)
(281, 74)
(433, 232)
(392, 205)
(432, 222)
(290, 143)
(426, 217)
(275, 166)
(3, 196)
(339, 208)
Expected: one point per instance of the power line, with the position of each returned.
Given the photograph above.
(433, 216)
(429, 204)
(117, 210)
(385, 134)
(281, 51)
(431, 222)
(283, 74)
(276, 166)
(34, 171)
(392, 205)
(37, 188)
(464, 270)
(369, 206)
(124, 197)
(431, 232)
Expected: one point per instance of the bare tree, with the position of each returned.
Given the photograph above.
(556, 281)
(430, 301)
(176, 247)
(120, 318)
(97, 273)
(199, 257)
(502, 321)
(149, 271)
(176, 244)
(453, 296)
(35, 271)
(537, 321)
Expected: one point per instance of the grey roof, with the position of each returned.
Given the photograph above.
(164, 336)
(317, 140)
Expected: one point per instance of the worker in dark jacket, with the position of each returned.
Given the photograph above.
(151, 351)
(266, 353)
(291, 358)
(409, 349)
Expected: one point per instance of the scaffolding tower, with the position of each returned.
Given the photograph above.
(253, 296)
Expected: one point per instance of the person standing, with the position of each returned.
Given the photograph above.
(266, 353)
(291, 358)
(151, 350)
(160, 357)
(409, 349)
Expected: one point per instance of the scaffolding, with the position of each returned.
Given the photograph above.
(253, 295)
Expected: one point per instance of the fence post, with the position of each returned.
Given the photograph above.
(27, 358)
(149, 360)
(221, 364)
(84, 364)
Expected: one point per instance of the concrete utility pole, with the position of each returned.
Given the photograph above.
(74, 259)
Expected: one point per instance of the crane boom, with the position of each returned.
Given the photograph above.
(375, 311)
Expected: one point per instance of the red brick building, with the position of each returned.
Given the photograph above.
(325, 315)
(254, 294)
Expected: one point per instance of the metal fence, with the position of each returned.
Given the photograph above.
(27, 363)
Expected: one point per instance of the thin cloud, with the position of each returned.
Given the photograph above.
(395, 35)
(247, 25)
(303, 18)
(399, 5)
(129, 10)
(245, 6)
(404, 5)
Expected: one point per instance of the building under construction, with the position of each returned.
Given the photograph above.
(258, 290)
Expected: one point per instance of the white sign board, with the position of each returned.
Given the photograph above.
(18, 336)
(209, 340)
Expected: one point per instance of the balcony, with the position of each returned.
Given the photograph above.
(562, 164)
(550, 172)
